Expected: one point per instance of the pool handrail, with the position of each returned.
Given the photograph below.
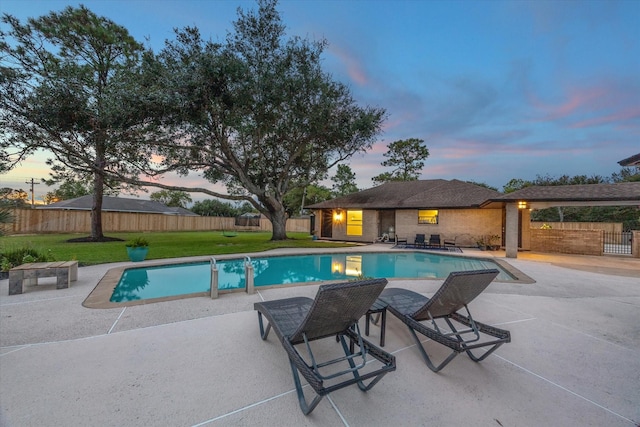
(214, 278)
(248, 275)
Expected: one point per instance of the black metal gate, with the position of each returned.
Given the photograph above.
(617, 243)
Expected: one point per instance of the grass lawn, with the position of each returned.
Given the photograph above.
(161, 245)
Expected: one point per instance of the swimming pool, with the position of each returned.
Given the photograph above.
(180, 279)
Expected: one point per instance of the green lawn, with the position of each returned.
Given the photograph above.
(161, 245)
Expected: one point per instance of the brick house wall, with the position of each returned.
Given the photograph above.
(463, 224)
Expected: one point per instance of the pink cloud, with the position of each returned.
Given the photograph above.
(625, 115)
(577, 100)
(353, 67)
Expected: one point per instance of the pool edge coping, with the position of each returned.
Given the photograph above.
(99, 297)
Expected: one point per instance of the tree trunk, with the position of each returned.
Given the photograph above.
(279, 225)
(96, 207)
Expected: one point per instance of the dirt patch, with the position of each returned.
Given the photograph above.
(90, 239)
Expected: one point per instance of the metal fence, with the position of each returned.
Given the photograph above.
(617, 243)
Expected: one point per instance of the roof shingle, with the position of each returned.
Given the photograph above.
(434, 193)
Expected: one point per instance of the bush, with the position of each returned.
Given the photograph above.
(15, 257)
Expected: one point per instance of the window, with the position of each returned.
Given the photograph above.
(354, 223)
(428, 216)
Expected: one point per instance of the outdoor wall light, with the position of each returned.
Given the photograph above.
(337, 216)
(522, 205)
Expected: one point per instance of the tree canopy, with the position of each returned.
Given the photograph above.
(257, 113)
(172, 198)
(65, 81)
(344, 181)
(407, 157)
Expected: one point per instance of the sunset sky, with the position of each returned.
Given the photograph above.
(497, 89)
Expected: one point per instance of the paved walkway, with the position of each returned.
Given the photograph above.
(574, 359)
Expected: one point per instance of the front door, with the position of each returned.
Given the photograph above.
(327, 223)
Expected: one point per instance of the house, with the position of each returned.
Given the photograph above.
(119, 204)
(451, 209)
(456, 210)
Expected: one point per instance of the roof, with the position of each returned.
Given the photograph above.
(619, 194)
(119, 204)
(434, 193)
(630, 161)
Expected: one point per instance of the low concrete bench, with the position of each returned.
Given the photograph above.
(64, 271)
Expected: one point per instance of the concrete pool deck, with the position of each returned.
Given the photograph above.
(574, 359)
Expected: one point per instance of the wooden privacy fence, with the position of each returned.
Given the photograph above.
(31, 221)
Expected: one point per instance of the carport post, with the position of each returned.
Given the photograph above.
(511, 230)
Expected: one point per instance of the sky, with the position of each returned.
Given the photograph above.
(497, 89)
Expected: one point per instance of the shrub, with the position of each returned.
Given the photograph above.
(15, 257)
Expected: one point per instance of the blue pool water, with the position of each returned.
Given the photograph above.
(180, 279)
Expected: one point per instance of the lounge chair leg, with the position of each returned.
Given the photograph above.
(426, 358)
(304, 406)
(348, 351)
(484, 356)
(263, 333)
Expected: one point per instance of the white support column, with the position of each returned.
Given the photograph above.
(511, 230)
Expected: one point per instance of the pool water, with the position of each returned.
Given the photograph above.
(180, 279)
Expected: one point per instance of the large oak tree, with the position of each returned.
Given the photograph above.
(256, 113)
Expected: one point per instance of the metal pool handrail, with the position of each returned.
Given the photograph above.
(214, 278)
(248, 275)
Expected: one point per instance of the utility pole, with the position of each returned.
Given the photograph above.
(32, 182)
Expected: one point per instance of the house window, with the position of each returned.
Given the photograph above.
(428, 216)
(354, 223)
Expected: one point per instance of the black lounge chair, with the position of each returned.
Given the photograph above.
(434, 241)
(419, 242)
(333, 313)
(458, 290)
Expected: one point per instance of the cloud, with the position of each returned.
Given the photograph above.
(351, 63)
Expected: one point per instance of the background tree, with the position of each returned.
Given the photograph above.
(406, 157)
(64, 86)
(11, 198)
(212, 207)
(172, 198)
(257, 114)
(344, 181)
(69, 189)
(515, 184)
(297, 198)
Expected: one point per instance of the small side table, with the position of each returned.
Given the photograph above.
(379, 308)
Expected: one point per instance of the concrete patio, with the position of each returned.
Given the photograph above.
(574, 359)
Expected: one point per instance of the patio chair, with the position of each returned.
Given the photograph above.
(450, 242)
(434, 241)
(457, 291)
(400, 241)
(333, 313)
(420, 241)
